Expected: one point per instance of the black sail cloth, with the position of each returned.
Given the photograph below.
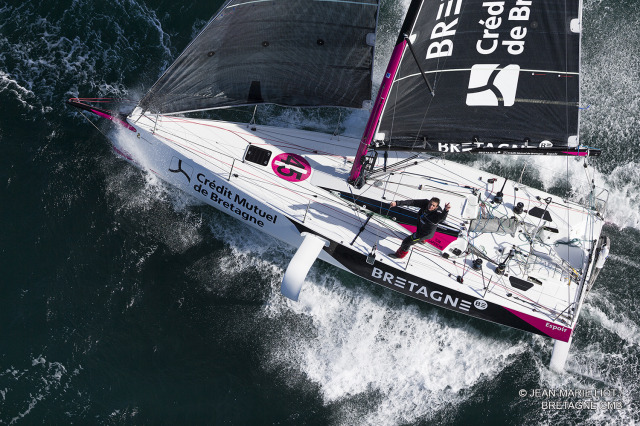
(503, 73)
(288, 52)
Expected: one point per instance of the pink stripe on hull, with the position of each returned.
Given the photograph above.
(579, 154)
(555, 331)
(114, 119)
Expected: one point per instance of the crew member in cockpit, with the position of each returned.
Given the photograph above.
(429, 216)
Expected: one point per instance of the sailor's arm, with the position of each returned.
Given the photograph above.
(416, 203)
(445, 212)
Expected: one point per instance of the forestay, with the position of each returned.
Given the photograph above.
(288, 52)
(504, 73)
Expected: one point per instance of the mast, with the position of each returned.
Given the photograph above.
(356, 178)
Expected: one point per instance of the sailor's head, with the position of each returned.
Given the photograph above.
(433, 203)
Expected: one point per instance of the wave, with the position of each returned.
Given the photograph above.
(371, 358)
(45, 379)
(360, 347)
(86, 48)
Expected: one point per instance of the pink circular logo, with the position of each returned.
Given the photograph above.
(291, 167)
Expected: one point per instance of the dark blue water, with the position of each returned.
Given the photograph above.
(124, 301)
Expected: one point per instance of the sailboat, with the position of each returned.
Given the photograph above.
(465, 76)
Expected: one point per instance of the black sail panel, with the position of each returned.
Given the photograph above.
(504, 73)
(289, 52)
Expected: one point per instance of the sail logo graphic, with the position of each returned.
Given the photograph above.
(178, 167)
(490, 85)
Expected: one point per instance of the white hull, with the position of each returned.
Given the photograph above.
(285, 197)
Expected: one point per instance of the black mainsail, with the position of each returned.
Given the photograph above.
(504, 74)
(288, 52)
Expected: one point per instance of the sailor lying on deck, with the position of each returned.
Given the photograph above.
(429, 216)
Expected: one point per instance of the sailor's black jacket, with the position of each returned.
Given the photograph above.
(427, 220)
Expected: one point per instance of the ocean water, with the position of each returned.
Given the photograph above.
(124, 301)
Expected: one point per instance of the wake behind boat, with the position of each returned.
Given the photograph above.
(465, 76)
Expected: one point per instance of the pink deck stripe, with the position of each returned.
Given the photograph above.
(439, 241)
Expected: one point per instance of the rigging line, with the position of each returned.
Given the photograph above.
(177, 120)
(496, 283)
(87, 118)
(472, 183)
(203, 155)
(392, 168)
(393, 109)
(233, 132)
(190, 145)
(380, 208)
(435, 188)
(287, 144)
(441, 181)
(422, 252)
(335, 217)
(383, 222)
(280, 120)
(356, 210)
(229, 152)
(247, 2)
(521, 297)
(413, 53)
(301, 138)
(327, 206)
(297, 146)
(485, 288)
(321, 194)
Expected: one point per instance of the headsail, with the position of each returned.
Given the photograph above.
(505, 74)
(289, 52)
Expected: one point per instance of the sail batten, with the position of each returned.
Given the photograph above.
(287, 52)
(497, 69)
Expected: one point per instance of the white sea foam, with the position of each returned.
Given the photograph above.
(351, 343)
(357, 346)
(590, 368)
(624, 199)
(47, 379)
(413, 365)
(21, 94)
(143, 193)
(614, 321)
(72, 53)
(607, 363)
(625, 260)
